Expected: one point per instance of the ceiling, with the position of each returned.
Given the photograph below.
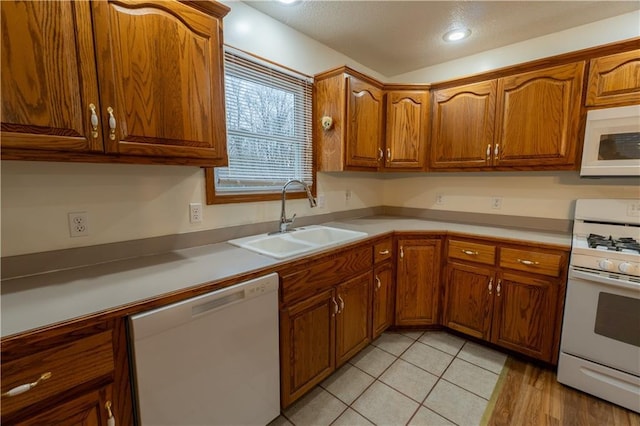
(394, 37)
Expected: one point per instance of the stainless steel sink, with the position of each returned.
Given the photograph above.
(298, 241)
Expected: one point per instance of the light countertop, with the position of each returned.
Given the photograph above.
(40, 300)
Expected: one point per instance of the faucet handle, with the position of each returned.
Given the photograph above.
(290, 221)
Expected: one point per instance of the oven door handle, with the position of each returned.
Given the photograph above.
(587, 276)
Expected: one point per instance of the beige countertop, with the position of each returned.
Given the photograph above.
(40, 300)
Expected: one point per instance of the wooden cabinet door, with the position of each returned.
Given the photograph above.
(538, 117)
(86, 410)
(614, 80)
(307, 344)
(353, 319)
(364, 124)
(468, 300)
(463, 126)
(418, 281)
(160, 70)
(383, 298)
(524, 315)
(48, 76)
(407, 127)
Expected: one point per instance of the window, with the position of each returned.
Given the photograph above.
(268, 130)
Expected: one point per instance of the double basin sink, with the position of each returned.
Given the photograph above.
(298, 241)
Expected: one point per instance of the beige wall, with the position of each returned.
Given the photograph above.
(535, 194)
(126, 202)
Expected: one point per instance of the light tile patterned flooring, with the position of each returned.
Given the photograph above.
(410, 378)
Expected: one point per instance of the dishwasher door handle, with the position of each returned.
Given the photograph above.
(212, 305)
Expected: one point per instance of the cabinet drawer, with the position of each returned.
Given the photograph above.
(383, 251)
(531, 261)
(309, 278)
(474, 252)
(70, 365)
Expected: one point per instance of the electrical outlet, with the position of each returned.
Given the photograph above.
(195, 212)
(347, 195)
(633, 209)
(78, 224)
(321, 201)
(439, 199)
(496, 203)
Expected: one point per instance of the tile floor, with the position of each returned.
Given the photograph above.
(410, 378)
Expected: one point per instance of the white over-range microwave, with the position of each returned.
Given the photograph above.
(612, 142)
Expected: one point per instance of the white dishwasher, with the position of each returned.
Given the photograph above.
(210, 360)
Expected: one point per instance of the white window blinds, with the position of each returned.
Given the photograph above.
(268, 127)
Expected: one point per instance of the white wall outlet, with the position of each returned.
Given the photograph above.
(633, 209)
(347, 195)
(496, 203)
(78, 224)
(321, 201)
(440, 199)
(195, 212)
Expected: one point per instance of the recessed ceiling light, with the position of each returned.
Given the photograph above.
(457, 34)
(288, 1)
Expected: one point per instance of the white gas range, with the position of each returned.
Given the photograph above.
(600, 347)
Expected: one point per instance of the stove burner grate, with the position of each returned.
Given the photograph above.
(623, 244)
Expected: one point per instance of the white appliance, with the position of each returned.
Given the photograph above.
(210, 360)
(612, 142)
(600, 346)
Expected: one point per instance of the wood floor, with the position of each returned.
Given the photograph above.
(531, 395)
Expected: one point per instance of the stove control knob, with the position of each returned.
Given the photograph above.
(627, 268)
(605, 264)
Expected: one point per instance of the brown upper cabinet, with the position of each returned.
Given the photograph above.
(525, 121)
(469, 145)
(358, 138)
(614, 80)
(363, 123)
(538, 117)
(407, 129)
(355, 105)
(139, 83)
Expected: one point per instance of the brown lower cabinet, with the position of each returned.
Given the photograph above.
(384, 287)
(469, 302)
(86, 410)
(321, 333)
(79, 371)
(383, 298)
(325, 317)
(518, 310)
(418, 281)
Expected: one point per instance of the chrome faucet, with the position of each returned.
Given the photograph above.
(284, 222)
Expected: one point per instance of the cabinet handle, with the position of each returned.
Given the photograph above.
(498, 288)
(383, 252)
(488, 152)
(380, 154)
(335, 306)
(401, 252)
(528, 262)
(112, 124)
(27, 386)
(496, 151)
(388, 154)
(94, 121)
(470, 252)
(377, 282)
(341, 305)
(490, 286)
(111, 421)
